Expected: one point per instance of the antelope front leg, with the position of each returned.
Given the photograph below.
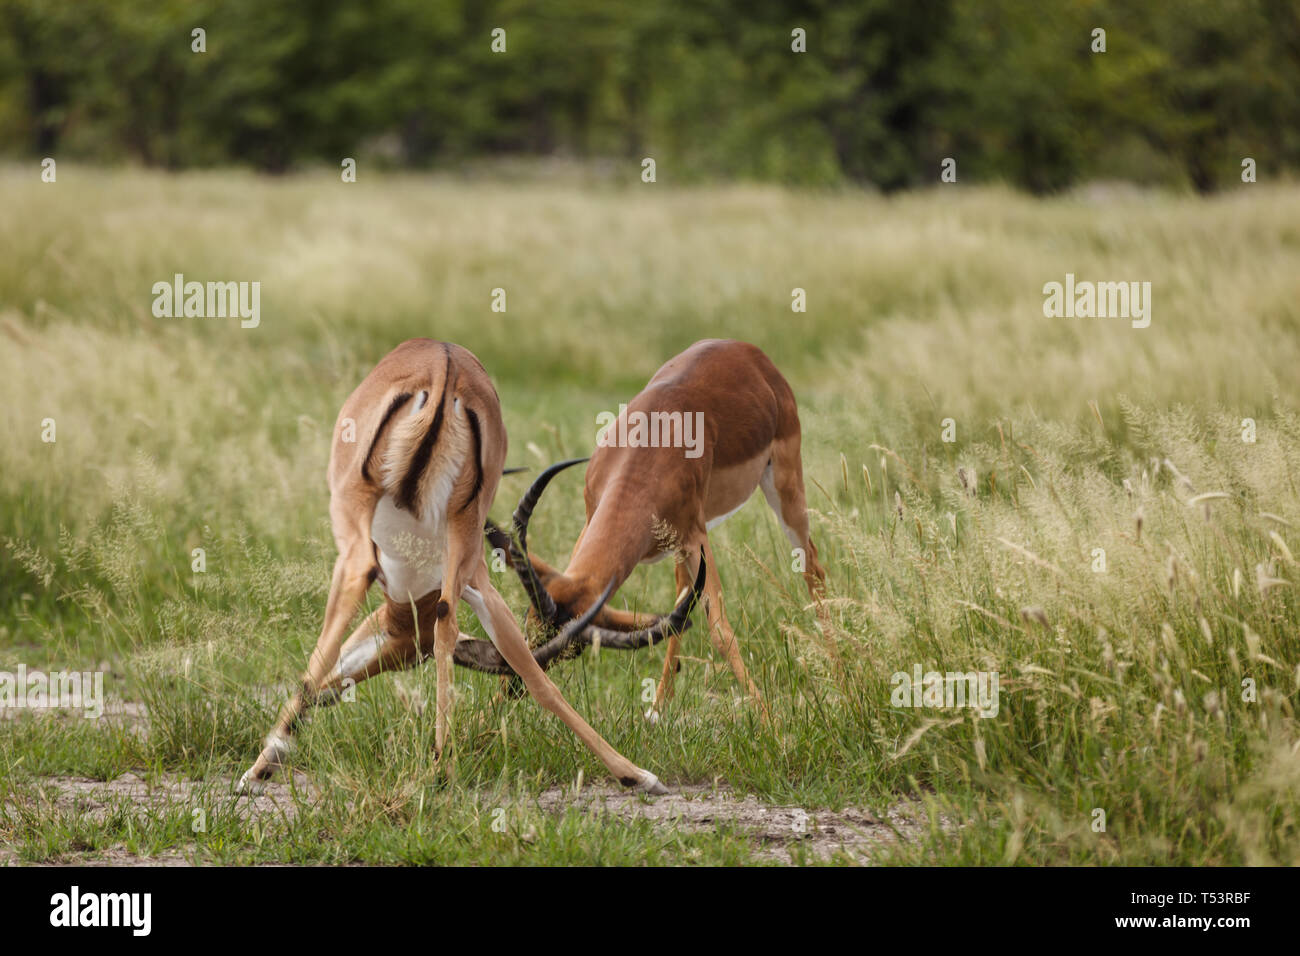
(671, 664)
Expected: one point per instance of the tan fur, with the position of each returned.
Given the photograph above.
(635, 496)
(407, 431)
(451, 496)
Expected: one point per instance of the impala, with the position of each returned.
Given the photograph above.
(653, 494)
(417, 455)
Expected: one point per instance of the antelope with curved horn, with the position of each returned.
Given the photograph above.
(417, 455)
(651, 480)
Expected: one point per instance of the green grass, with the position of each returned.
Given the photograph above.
(1120, 691)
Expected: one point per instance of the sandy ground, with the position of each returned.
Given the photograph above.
(126, 712)
(97, 799)
(115, 856)
(778, 831)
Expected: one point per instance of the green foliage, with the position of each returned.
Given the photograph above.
(885, 91)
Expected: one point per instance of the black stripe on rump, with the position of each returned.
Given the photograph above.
(393, 406)
(410, 484)
(478, 457)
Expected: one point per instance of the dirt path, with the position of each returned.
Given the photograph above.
(780, 832)
(98, 798)
(777, 829)
(129, 713)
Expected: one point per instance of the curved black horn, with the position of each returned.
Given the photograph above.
(676, 622)
(524, 510)
(483, 655)
(538, 595)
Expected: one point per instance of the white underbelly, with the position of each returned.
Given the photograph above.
(411, 551)
(714, 522)
(729, 490)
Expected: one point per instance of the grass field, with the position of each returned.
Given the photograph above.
(1121, 690)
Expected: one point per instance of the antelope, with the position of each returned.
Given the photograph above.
(409, 498)
(640, 493)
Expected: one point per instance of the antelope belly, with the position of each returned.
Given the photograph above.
(730, 488)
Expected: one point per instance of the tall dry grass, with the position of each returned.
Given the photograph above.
(1121, 690)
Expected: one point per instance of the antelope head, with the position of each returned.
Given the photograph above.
(556, 601)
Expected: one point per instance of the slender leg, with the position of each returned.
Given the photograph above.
(372, 647)
(384, 641)
(782, 485)
(617, 620)
(500, 625)
(721, 634)
(347, 590)
(376, 645)
(445, 630)
(665, 689)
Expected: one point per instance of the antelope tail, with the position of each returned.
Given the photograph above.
(430, 440)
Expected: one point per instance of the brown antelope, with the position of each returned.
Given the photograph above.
(417, 455)
(644, 489)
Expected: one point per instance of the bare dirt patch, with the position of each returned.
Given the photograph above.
(114, 856)
(781, 832)
(854, 833)
(128, 713)
(97, 799)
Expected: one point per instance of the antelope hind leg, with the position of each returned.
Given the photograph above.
(500, 625)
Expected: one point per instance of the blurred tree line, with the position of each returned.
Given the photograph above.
(711, 88)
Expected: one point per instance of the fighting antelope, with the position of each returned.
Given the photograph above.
(409, 497)
(643, 493)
